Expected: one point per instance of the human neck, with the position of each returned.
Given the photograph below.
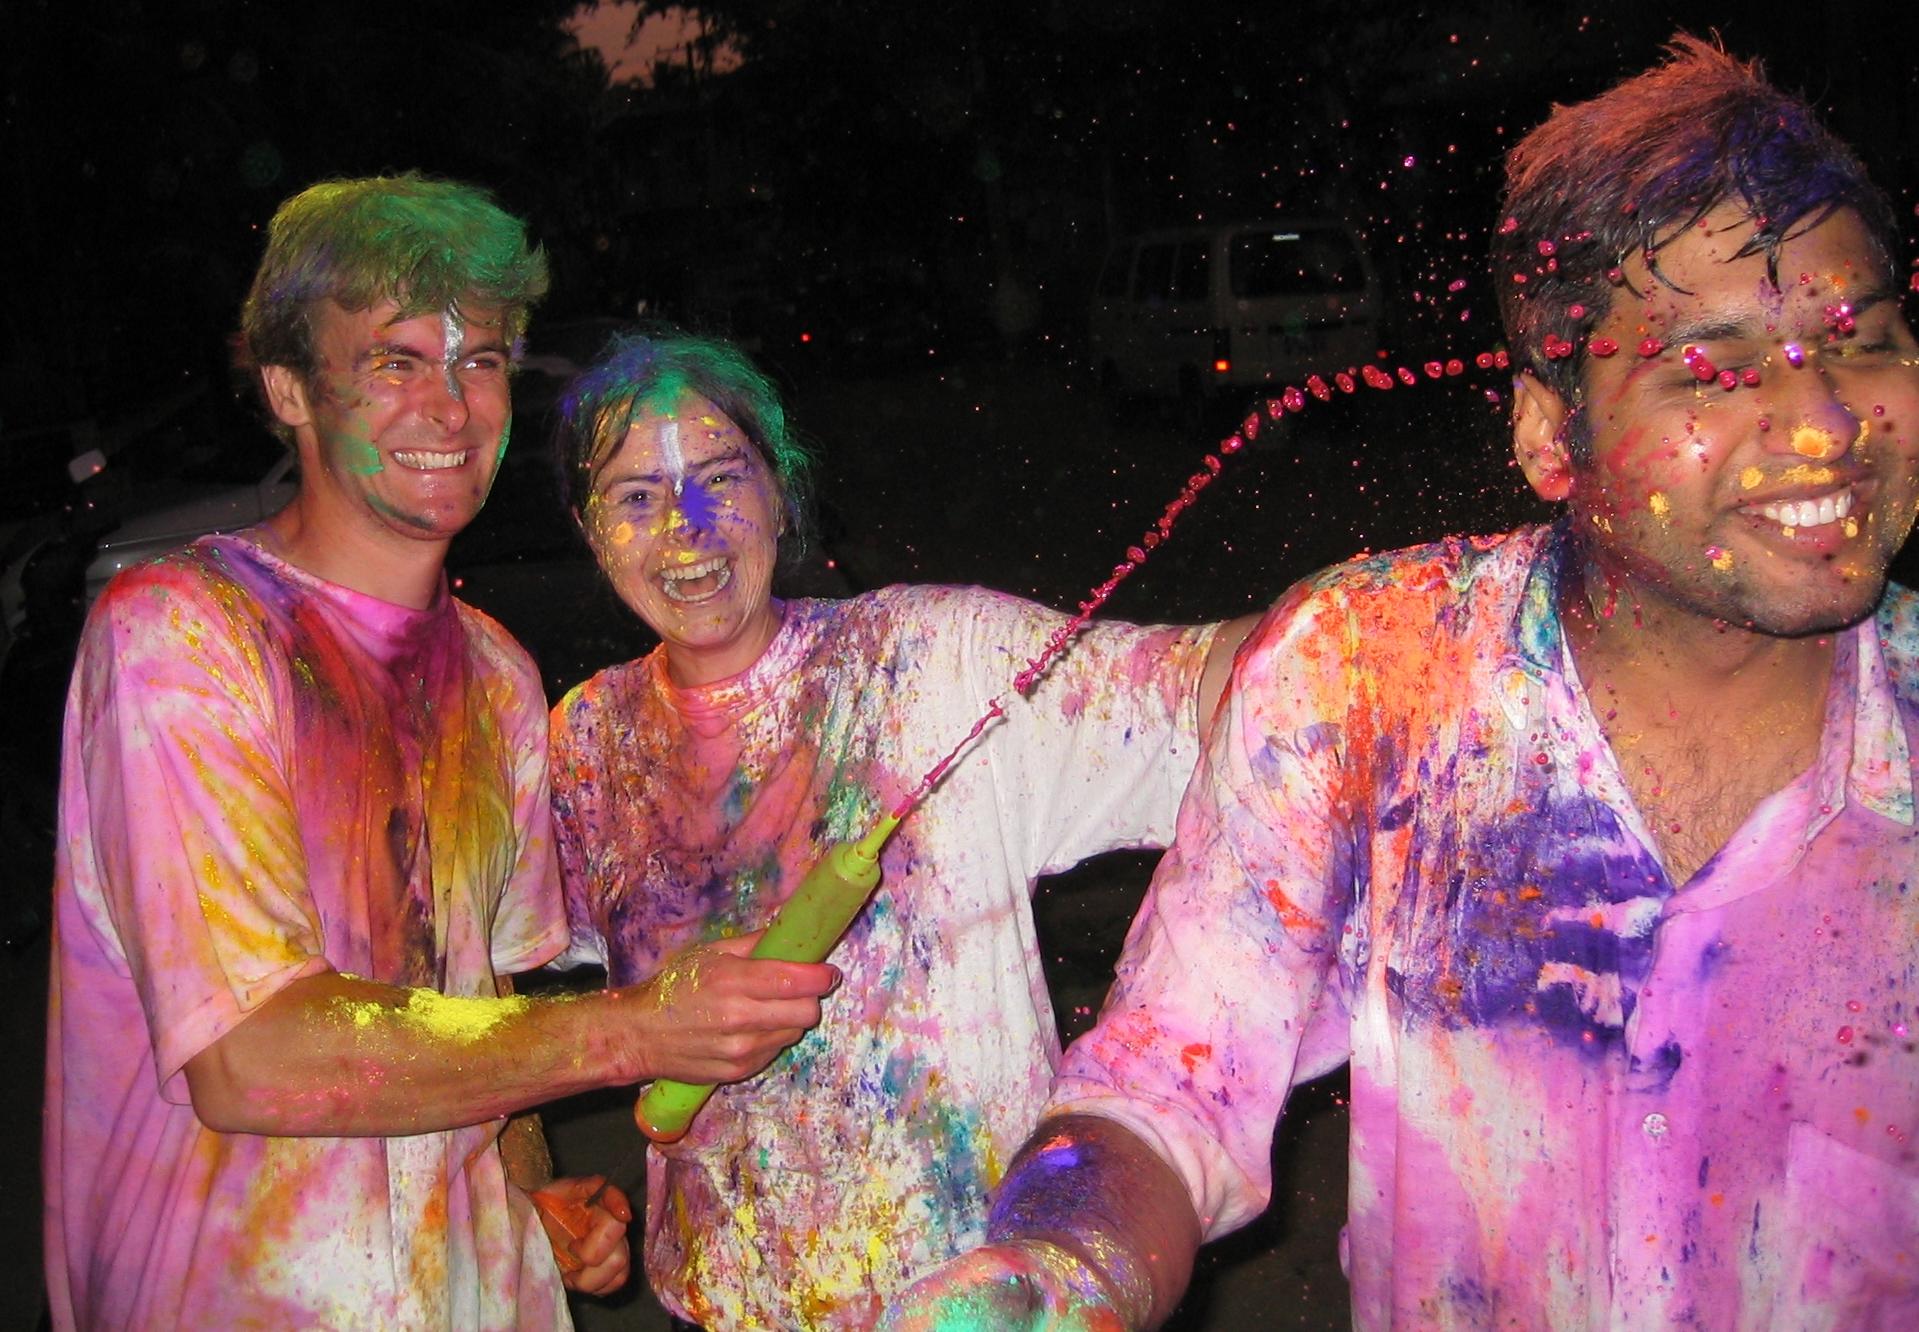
(393, 569)
(1649, 645)
(691, 667)
(1704, 720)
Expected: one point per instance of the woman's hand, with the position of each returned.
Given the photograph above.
(588, 1237)
(714, 1014)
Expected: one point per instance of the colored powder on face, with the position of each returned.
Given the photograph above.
(671, 454)
(1750, 478)
(1659, 504)
(1720, 558)
(453, 343)
(1812, 442)
(506, 437)
(361, 458)
(698, 505)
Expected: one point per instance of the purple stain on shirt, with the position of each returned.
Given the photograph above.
(1536, 928)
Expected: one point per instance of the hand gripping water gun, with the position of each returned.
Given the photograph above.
(804, 929)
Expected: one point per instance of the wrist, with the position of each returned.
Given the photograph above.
(1089, 1273)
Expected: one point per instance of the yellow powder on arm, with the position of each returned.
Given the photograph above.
(447, 1017)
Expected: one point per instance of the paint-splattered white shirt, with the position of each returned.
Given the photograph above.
(268, 776)
(804, 1197)
(1583, 1096)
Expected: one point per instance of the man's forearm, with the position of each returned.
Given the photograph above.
(338, 1056)
(1090, 1186)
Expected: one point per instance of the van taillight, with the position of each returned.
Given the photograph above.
(1222, 351)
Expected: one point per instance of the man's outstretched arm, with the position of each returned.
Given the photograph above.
(334, 1055)
(1091, 1232)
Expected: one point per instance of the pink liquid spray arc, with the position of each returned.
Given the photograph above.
(1290, 401)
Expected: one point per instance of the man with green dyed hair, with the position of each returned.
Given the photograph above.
(306, 840)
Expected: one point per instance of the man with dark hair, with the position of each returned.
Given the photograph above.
(305, 842)
(1590, 847)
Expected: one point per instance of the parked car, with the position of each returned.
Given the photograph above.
(1189, 311)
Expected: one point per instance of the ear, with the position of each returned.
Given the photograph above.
(1540, 419)
(286, 394)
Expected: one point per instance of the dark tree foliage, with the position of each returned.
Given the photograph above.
(147, 144)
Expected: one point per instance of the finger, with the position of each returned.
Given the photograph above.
(602, 1242)
(603, 1278)
(739, 945)
(617, 1204)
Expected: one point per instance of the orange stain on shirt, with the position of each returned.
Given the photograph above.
(1291, 916)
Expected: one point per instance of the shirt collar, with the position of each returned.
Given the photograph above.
(1863, 751)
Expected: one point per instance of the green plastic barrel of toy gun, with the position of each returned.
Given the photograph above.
(804, 929)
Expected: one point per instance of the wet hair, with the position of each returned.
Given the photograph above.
(1630, 170)
(422, 243)
(648, 371)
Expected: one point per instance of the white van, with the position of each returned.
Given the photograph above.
(1189, 311)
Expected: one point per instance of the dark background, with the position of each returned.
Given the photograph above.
(900, 206)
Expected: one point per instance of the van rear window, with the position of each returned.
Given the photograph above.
(1294, 262)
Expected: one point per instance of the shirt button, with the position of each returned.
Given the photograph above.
(1655, 1126)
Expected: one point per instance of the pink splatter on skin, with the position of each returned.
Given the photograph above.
(1664, 424)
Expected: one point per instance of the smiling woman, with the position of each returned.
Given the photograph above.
(694, 788)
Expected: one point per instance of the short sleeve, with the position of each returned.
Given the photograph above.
(1094, 757)
(1231, 964)
(569, 754)
(529, 927)
(193, 874)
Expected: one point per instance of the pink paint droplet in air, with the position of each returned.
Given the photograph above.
(1602, 346)
(1651, 347)
(1795, 355)
(1845, 1035)
(1749, 377)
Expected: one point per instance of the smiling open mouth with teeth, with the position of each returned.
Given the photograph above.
(428, 462)
(1805, 513)
(688, 582)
